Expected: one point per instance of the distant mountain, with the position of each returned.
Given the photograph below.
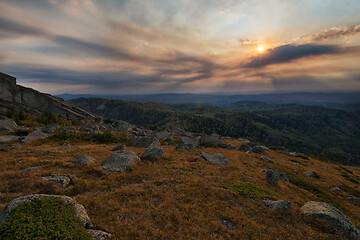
(347, 101)
(308, 129)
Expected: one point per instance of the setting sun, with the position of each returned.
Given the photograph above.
(260, 49)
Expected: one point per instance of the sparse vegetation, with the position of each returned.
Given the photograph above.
(250, 190)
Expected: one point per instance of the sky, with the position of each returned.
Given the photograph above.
(181, 46)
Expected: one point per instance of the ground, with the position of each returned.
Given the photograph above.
(183, 196)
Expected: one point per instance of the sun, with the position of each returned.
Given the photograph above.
(260, 49)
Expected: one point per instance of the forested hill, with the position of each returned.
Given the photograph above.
(308, 129)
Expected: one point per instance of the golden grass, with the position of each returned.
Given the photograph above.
(181, 196)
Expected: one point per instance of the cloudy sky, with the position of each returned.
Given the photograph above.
(198, 46)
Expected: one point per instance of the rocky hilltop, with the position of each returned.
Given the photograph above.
(16, 97)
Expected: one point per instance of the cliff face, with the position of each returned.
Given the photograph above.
(22, 98)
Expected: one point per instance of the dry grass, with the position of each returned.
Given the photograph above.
(181, 196)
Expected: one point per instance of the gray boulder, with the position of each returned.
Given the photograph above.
(277, 205)
(29, 169)
(188, 140)
(8, 125)
(120, 161)
(79, 209)
(260, 149)
(273, 177)
(36, 135)
(163, 135)
(153, 154)
(213, 139)
(84, 160)
(8, 138)
(63, 180)
(244, 147)
(146, 141)
(51, 128)
(333, 216)
(185, 147)
(215, 159)
(118, 148)
(310, 174)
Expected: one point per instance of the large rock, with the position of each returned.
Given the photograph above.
(138, 141)
(278, 205)
(84, 160)
(273, 177)
(120, 161)
(212, 140)
(79, 209)
(333, 216)
(188, 140)
(163, 135)
(118, 148)
(36, 135)
(8, 125)
(260, 149)
(8, 138)
(215, 159)
(244, 147)
(184, 146)
(153, 154)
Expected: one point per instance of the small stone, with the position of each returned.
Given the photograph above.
(229, 225)
(30, 169)
(84, 160)
(272, 177)
(278, 205)
(153, 154)
(335, 189)
(310, 174)
(64, 180)
(119, 148)
(66, 145)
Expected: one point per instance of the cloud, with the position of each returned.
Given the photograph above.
(333, 33)
(288, 53)
(10, 26)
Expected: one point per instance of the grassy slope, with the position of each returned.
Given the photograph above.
(182, 196)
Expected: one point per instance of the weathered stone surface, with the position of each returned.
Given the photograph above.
(8, 138)
(215, 159)
(120, 161)
(244, 147)
(64, 180)
(153, 153)
(79, 209)
(277, 205)
(229, 225)
(259, 149)
(98, 234)
(84, 160)
(51, 128)
(213, 139)
(335, 189)
(138, 141)
(163, 135)
(188, 140)
(8, 125)
(36, 135)
(30, 169)
(333, 216)
(310, 174)
(185, 147)
(23, 98)
(118, 148)
(272, 177)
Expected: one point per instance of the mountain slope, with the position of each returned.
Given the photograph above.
(308, 129)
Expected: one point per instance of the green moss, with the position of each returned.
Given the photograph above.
(43, 219)
(252, 191)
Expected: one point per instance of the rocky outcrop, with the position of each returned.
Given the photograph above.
(8, 125)
(13, 96)
(333, 216)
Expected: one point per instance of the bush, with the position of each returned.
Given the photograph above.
(44, 218)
